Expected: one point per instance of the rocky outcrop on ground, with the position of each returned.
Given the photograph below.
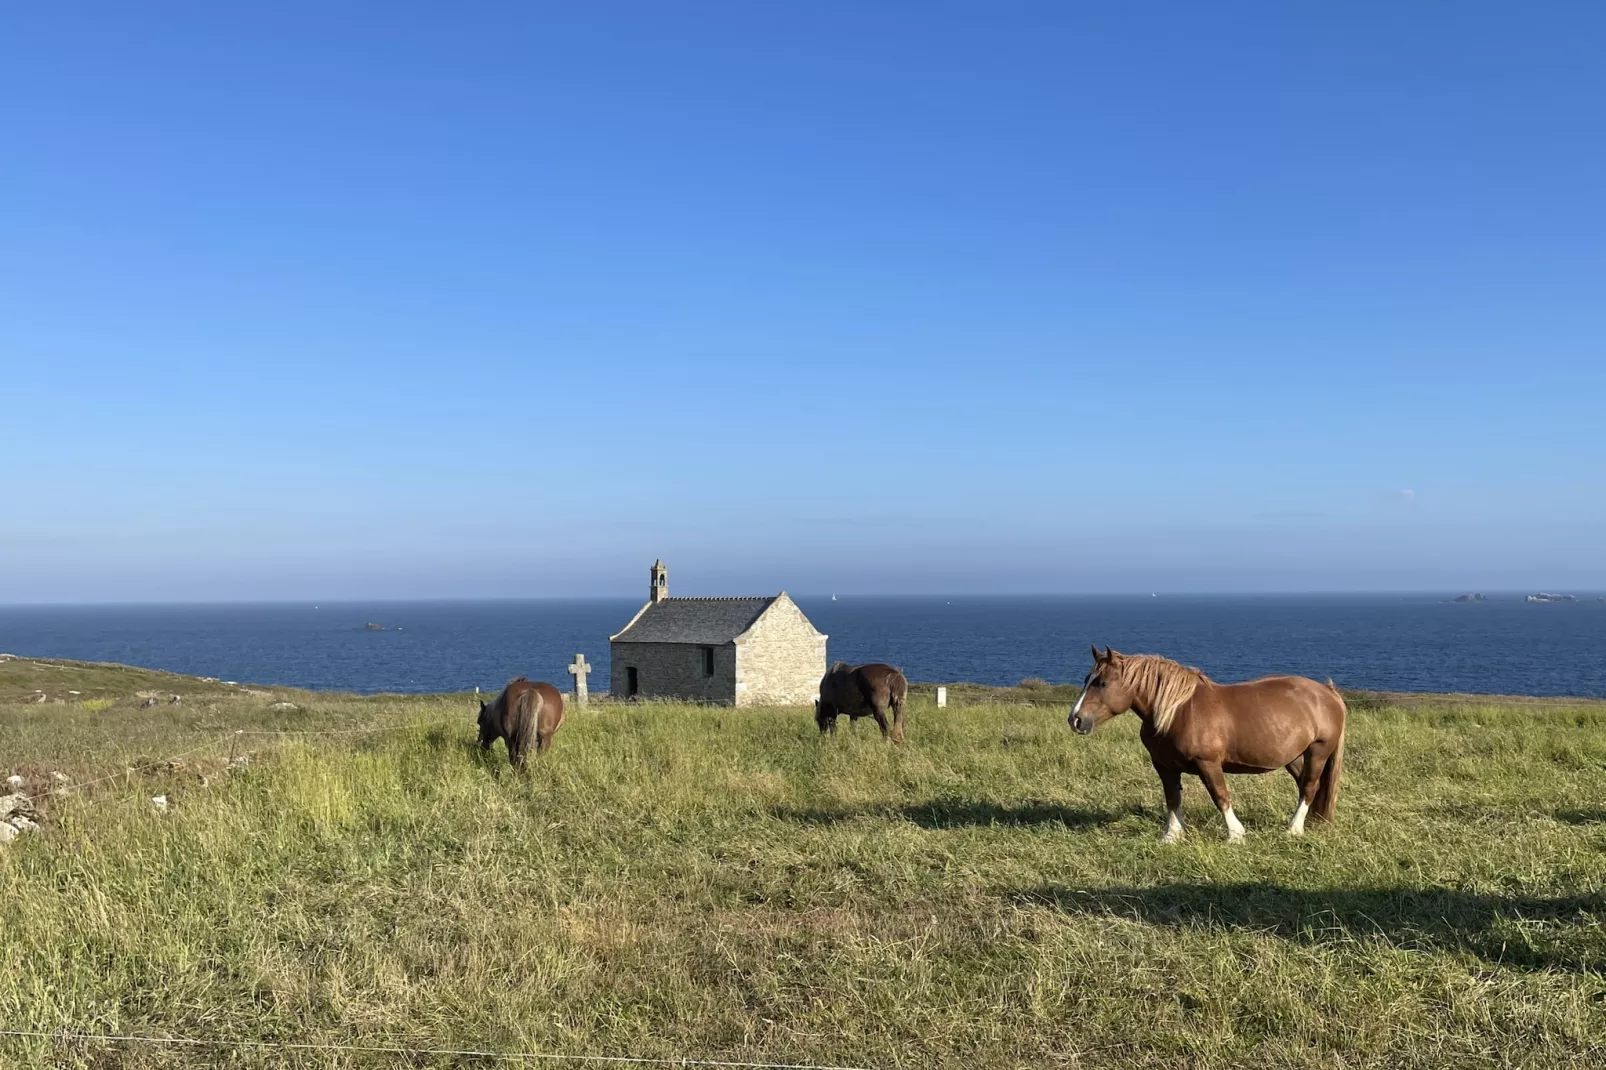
(16, 815)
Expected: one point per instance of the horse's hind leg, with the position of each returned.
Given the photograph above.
(1309, 778)
(1215, 782)
(881, 719)
(1296, 769)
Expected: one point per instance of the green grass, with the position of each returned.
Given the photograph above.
(680, 881)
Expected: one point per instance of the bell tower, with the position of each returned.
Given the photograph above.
(660, 582)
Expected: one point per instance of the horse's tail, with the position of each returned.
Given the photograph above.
(1326, 800)
(526, 712)
(897, 698)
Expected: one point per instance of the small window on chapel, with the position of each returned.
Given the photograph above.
(708, 661)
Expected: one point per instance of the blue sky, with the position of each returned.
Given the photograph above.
(413, 300)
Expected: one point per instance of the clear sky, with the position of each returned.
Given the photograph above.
(311, 300)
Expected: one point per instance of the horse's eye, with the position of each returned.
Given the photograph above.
(1095, 682)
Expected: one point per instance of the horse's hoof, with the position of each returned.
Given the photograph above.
(1170, 837)
(1292, 831)
(1236, 836)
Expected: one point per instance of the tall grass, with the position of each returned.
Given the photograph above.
(683, 881)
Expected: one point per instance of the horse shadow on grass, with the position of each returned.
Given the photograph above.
(1521, 932)
(955, 813)
(1581, 817)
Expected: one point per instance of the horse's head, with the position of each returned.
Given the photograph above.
(487, 725)
(1104, 693)
(823, 712)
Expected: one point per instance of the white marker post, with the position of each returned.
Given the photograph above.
(578, 670)
(942, 698)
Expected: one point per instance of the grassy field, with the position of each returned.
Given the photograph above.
(687, 882)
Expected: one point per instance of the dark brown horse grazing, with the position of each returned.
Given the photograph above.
(870, 690)
(1191, 724)
(521, 713)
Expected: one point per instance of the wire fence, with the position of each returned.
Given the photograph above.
(70, 788)
(396, 1049)
(230, 737)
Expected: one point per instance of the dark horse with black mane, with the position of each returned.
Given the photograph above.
(1191, 724)
(522, 713)
(872, 690)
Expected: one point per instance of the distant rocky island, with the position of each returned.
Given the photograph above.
(372, 627)
(1547, 597)
(1470, 598)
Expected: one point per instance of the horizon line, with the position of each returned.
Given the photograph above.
(1491, 593)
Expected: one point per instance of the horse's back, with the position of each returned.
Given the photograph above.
(861, 688)
(550, 714)
(1283, 689)
(1264, 723)
(515, 689)
(879, 675)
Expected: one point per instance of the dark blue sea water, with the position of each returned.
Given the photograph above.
(1400, 642)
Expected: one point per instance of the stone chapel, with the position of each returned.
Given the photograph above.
(728, 651)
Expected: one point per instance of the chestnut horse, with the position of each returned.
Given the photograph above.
(1191, 724)
(522, 712)
(871, 690)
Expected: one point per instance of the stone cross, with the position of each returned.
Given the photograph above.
(578, 670)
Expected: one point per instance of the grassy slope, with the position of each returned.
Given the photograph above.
(684, 881)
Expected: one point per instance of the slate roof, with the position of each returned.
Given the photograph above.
(704, 621)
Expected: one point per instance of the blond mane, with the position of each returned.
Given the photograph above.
(1161, 684)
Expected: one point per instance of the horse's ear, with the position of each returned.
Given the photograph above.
(1097, 657)
(1110, 655)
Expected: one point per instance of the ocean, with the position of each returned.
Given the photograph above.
(1381, 642)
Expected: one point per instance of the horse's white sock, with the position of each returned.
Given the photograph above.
(1235, 828)
(1172, 833)
(1296, 824)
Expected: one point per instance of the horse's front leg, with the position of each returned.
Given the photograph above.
(1215, 782)
(1171, 781)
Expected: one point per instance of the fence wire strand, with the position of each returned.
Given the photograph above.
(67, 789)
